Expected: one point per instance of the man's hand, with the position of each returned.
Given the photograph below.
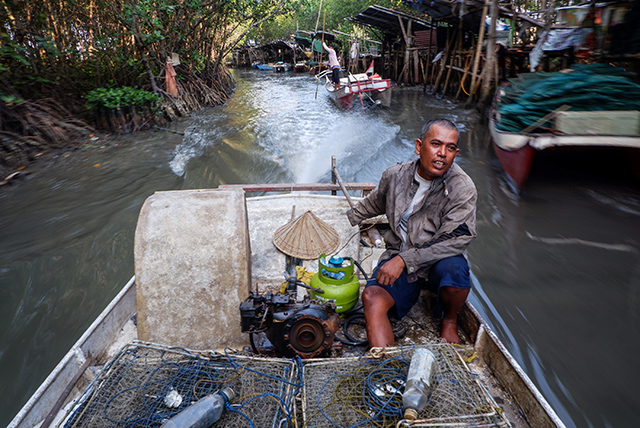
(390, 271)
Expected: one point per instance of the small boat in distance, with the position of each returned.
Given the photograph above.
(281, 67)
(264, 67)
(301, 67)
(368, 88)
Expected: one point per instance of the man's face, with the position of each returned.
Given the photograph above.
(437, 151)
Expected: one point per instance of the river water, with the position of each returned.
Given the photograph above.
(556, 271)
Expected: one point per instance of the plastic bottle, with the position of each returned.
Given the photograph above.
(418, 387)
(375, 237)
(203, 413)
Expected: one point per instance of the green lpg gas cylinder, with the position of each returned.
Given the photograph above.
(338, 282)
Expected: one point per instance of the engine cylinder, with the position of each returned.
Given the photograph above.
(308, 332)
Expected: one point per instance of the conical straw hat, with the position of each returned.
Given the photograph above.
(306, 237)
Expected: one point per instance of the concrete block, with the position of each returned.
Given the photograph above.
(193, 268)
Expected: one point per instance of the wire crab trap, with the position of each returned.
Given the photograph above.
(145, 385)
(367, 392)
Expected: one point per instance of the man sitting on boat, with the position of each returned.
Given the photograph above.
(431, 207)
(334, 64)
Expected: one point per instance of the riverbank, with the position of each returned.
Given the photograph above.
(15, 168)
(12, 173)
(33, 130)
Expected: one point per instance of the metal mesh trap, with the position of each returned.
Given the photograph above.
(366, 392)
(145, 384)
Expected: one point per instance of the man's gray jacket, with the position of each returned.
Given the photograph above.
(443, 226)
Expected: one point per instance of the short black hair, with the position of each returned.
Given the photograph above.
(445, 123)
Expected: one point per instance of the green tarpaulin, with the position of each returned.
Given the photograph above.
(592, 87)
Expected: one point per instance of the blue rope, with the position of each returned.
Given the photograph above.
(261, 374)
(383, 378)
(185, 377)
(322, 409)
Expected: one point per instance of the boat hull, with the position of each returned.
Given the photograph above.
(342, 99)
(281, 67)
(517, 151)
(494, 359)
(361, 87)
(515, 163)
(347, 96)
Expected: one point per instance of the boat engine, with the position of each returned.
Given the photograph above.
(305, 328)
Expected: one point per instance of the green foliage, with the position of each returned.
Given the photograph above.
(306, 15)
(120, 97)
(10, 52)
(52, 48)
(10, 99)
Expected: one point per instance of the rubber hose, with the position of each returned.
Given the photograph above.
(361, 270)
(345, 329)
(253, 343)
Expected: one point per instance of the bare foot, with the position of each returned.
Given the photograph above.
(449, 331)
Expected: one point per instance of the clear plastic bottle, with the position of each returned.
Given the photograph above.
(419, 383)
(203, 413)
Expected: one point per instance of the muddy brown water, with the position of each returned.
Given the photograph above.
(556, 271)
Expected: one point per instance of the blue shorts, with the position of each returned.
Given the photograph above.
(335, 77)
(449, 272)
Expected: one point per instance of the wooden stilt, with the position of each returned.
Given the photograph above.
(432, 68)
(478, 53)
(426, 68)
(453, 59)
(407, 54)
(444, 61)
(395, 66)
(404, 74)
(490, 64)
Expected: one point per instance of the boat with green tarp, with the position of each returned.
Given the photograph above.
(594, 106)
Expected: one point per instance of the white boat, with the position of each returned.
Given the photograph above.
(366, 88)
(281, 67)
(198, 255)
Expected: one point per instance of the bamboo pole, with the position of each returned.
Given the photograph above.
(373, 232)
(407, 53)
(321, 47)
(476, 59)
(430, 64)
(313, 55)
(395, 66)
(425, 73)
(489, 76)
(405, 71)
(444, 62)
(453, 58)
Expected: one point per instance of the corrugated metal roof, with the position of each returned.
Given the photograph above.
(449, 11)
(388, 21)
